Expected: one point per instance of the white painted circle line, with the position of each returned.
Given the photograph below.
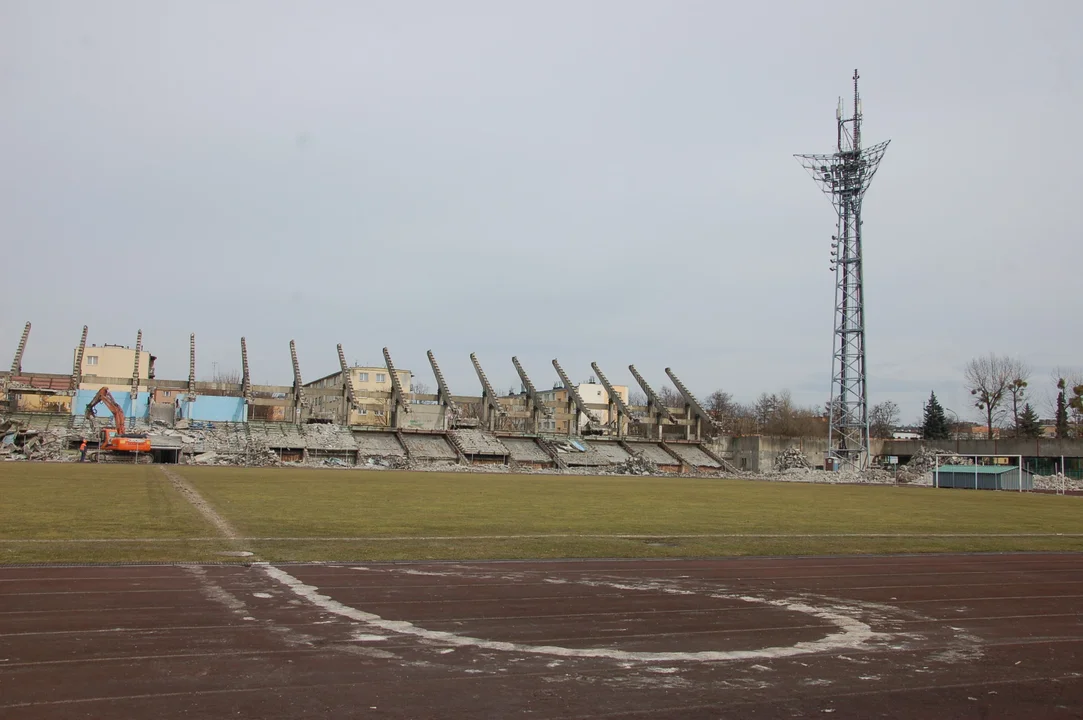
(852, 634)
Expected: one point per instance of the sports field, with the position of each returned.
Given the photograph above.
(96, 513)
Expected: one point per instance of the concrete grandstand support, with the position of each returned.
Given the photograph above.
(298, 384)
(135, 370)
(17, 363)
(77, 366)
(536, 407)
(246, 378)
(451, 408)
(616, 402)
(490, 405)
(192, 368)
(350, 397)
(576, 405)
(400, 405)
(693, 410)
(656, 409)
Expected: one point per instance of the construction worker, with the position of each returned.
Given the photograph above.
(82, 451)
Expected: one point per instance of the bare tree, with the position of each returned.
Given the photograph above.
(1020, 373)
(1068, 380)
(418, 387)
(226, 377)
(777, 414)
(883, 419)
(721, 406)
(987, 379)
(637, 398)
(670, 397)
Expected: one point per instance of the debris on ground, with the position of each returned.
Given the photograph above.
(1058, 483)
(637, 464)
(791, 459)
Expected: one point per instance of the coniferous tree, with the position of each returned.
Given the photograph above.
(1029, 424)
(1062, 411)
(935, 424)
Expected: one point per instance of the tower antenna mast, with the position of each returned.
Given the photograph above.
(845, 176)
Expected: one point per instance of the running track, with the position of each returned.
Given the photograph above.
(964, 636)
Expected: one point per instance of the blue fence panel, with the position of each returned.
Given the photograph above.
(214, 408)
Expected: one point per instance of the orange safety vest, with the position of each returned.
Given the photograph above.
(82, 446)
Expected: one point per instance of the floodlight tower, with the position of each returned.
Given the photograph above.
(844, 176)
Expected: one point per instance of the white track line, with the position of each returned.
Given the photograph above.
(232, 534)
(192, 495)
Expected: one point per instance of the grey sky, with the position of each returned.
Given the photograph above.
(607, 181)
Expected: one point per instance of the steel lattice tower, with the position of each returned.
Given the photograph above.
(844, 176)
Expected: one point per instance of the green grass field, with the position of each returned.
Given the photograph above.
(43, 507)
(302, 514)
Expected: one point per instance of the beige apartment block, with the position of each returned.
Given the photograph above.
(114, 361)
(372, 411)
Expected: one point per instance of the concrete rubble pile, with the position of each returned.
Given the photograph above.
(634, 465)
(329, 437)
(389, 462)
(919, 471)
(477, 442)
(844, 477)
(790, 459)
(1058, 483)
(18, 442)
(925, 460)
(252, 457)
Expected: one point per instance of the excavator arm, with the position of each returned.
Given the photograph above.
(119, 440)
(103, 396)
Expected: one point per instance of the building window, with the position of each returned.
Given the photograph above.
(379, 413)
(381, 378)
(363, 411)
(363, 377)
(91, 359)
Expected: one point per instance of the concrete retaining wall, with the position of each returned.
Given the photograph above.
(758, 452)
(1036, 447)
(422, 417)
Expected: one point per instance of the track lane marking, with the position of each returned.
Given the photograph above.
(827, 698)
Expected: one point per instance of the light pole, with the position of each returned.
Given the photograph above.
(955, 425)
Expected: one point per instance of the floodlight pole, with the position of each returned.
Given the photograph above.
(844, 176)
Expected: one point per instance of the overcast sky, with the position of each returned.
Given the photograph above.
(609, 181)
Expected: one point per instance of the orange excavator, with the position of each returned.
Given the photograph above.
(115, 439)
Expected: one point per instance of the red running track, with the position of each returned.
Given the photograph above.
(851, 637)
